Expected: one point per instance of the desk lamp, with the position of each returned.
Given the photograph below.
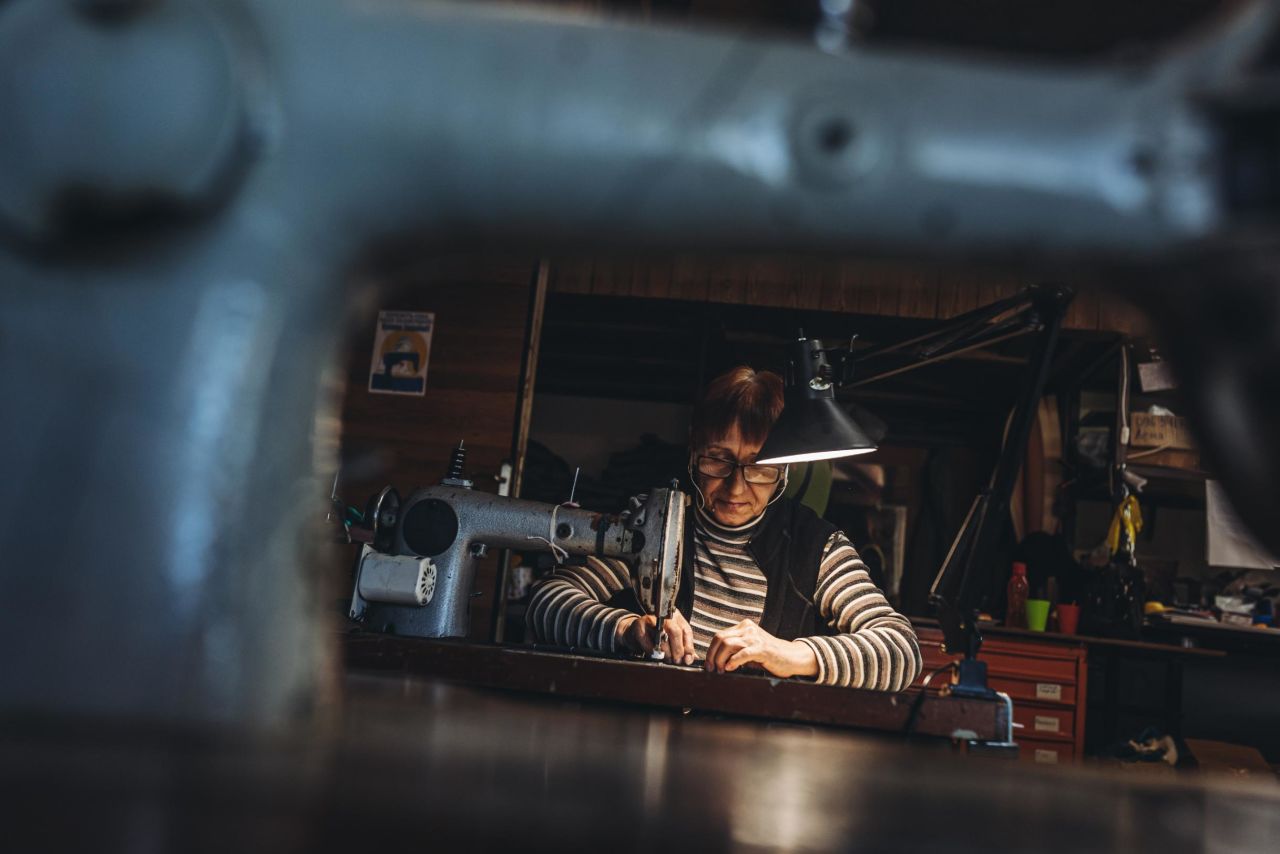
(813, 426)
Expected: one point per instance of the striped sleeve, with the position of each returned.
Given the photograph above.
(567, 607)
(876, 647)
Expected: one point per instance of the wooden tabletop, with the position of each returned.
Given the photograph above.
(423, 764)
(679, 688)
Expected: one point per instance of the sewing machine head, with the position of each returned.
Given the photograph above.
(655, 574)
(417, 577)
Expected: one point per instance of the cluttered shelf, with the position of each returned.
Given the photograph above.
(1155, 645)
(1211, 635)
(1239, 619)
(1169, 473)
(1168, 486)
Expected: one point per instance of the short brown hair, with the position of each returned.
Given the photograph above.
(749, 399)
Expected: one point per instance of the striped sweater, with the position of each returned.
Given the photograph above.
(875, 646)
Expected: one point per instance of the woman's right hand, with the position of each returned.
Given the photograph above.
(636, 634)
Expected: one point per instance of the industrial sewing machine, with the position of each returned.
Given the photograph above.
(415, 578)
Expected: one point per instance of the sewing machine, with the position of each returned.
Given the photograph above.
(416, 576)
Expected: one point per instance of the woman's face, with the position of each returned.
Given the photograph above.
(732, 501)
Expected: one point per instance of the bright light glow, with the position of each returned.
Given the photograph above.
(816, 455)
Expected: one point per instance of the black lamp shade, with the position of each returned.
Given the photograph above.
(812, 425)
(813, 429)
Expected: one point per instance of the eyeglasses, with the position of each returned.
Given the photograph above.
(751, 472)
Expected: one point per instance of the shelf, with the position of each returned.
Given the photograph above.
(1165, 486)
(1171, 486)
(1169, 473)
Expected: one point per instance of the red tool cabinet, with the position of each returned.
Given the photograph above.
(1047, 682)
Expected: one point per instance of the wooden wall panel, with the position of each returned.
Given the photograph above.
(611, 278)
(876, 290)
(851, 286)
(851, 280)
(957, 293)
(833, 287)
(635, 277)
(1116, 314)
(918, 293)
(773, 282)
(727, 281)
(810, 275)
(993, 286)
(690, 278)
(473, 380)
(1083, 311)
(571, 276)
(658, 277)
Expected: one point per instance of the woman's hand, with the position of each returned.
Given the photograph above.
(636, 634)
(747, 643)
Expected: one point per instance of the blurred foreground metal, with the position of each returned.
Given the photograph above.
(187, 187)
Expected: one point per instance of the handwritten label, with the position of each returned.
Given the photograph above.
(1048, 757)
(1045, 723)
(1048, 691)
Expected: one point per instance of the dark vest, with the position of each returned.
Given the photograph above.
(788, 549)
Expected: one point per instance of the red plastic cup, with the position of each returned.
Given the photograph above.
(1068, 619)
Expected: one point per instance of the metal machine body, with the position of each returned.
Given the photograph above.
(452, 526)
(174, 268)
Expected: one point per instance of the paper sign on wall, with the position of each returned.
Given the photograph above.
(400, 351)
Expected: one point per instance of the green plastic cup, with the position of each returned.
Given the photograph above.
(1037, 614)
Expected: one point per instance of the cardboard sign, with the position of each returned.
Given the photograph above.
(1160, 431)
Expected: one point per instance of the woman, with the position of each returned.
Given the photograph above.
(766, 582)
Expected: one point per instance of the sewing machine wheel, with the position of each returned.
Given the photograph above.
(430, 527)
(383, 515)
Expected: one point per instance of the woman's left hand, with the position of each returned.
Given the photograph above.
(747, 643)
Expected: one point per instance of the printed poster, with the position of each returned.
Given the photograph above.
(400, 351)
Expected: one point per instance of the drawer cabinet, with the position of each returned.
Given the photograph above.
(1047, 682)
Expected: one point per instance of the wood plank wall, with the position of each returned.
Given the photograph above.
(473, 378)
(848, 286)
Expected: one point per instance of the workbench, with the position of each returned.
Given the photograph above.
(681, 689)
(416, 763)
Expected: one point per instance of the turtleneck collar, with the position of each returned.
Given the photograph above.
(739, 534)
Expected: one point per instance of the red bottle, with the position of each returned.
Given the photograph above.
(1016, 614)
